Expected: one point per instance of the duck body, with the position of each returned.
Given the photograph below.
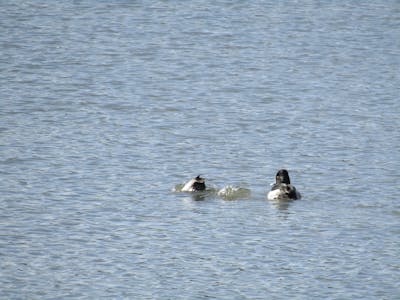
(194, 185)
(282, 189)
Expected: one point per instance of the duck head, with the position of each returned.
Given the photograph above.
(282, 177)
(199, 184)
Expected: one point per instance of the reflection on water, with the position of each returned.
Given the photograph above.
(281, 204)
(200, 196)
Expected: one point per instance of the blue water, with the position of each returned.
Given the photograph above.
(106, 107)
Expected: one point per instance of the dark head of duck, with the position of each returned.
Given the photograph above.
(282, 177)
(199, 184)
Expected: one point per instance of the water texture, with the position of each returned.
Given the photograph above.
(106, 107)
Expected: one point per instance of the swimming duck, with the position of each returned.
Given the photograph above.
(194, 185)
(282, 189)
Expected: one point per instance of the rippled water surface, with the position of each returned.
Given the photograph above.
(106, 107)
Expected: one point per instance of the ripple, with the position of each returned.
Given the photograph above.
(230, 192)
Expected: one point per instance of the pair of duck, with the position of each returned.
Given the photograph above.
(281, 189)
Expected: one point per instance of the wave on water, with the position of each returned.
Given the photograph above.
(230, 192)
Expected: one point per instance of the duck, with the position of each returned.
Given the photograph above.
(282, 189)
(194, 185)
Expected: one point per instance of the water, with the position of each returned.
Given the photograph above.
(106, 107)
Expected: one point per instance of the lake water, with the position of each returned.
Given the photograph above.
(106, 107)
